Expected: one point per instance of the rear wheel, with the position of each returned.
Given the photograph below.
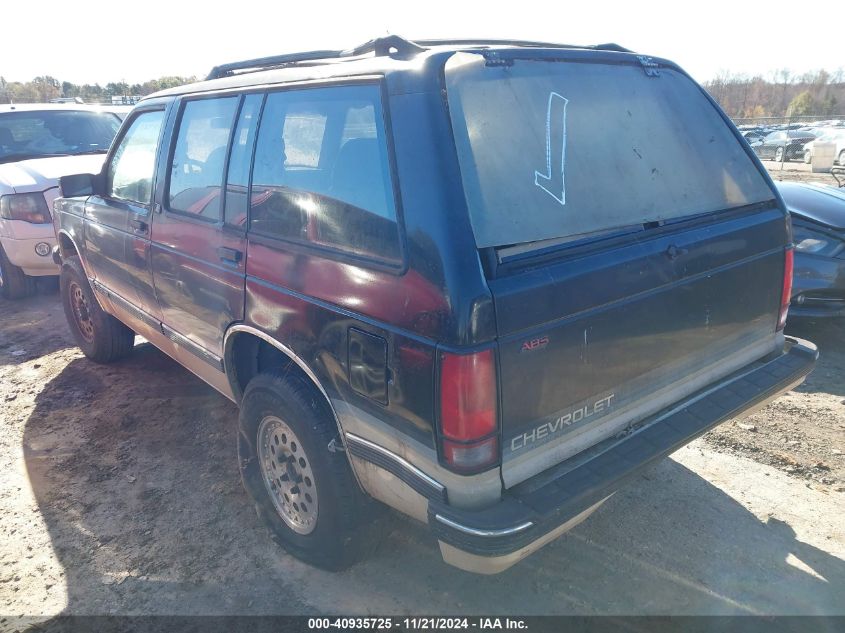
(304, 493)
(779, 155)
(14, 283)
(808, 156)
(100, 336)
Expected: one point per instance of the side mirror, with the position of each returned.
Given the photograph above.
(80, 185)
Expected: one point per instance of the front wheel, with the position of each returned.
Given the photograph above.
(14, 283)
(779, 155)
(305, 494)
(100, 336)
(842, 158)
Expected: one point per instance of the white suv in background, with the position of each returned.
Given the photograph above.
(837, 136)
(38, 144)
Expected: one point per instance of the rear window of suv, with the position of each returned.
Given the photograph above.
(553, 150)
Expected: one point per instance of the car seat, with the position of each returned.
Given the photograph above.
(357, 177)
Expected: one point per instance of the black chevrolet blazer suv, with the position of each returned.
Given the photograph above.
(481, 282)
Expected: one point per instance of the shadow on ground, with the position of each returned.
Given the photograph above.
(134, 470)
(829, 337)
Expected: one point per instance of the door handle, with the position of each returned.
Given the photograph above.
(231, 255)
(138, 225)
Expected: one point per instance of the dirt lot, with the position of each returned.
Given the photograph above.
(119, 494)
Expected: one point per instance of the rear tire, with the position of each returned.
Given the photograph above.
(779, 157)
(14, 283)
(100, 336)
(306, 495)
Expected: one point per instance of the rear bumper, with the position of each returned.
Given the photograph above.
(540, 509)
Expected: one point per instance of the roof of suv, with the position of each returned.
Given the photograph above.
(377, 56)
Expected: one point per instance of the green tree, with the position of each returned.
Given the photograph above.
(828, 105)
(801, 105)
(70, 90)
(117, 88)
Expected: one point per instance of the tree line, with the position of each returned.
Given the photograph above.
(43, 89)
(781, 94)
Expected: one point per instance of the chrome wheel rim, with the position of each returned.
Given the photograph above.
(286, 471)
(81, 312)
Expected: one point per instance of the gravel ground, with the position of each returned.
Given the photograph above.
(803, 432)
(119, 494)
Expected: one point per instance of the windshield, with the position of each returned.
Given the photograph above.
(552, 150)
(36, 134)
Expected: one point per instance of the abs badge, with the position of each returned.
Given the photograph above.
(534, 344)
(552, 182)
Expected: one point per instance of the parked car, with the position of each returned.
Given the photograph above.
(818, 232)
(425, 280)
(38, 144)
(782, 145)
(753, 136)
(834, 135)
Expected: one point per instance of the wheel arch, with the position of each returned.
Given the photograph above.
(243, 343)
(67, 245)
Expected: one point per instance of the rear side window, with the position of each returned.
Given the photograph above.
(130, 174)
(558, 149)
(199, 157)
(321, 173)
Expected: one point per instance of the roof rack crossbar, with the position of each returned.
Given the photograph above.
(382, 47)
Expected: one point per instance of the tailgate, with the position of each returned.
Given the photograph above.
(597, 340)
(633, 246)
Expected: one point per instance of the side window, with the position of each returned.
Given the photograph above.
(237, 180)
(196, 173)
(321, 174)
(130, 172)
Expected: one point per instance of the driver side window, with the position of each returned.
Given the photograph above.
(130, 173)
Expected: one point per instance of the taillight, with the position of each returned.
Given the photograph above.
(787, 287)
(468, 411)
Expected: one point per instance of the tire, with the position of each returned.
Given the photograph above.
(285, 427)
(842, 158)
(14, 283)
(808, 157)
(100, 336)
(779, 157)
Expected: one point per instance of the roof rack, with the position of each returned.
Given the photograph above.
(382, 47)
(392, 45)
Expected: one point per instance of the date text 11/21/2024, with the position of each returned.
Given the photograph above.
(418, 623)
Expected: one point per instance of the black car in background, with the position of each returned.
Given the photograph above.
(818, 231)
(783, 145)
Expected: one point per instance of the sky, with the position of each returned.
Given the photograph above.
(97, 41)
